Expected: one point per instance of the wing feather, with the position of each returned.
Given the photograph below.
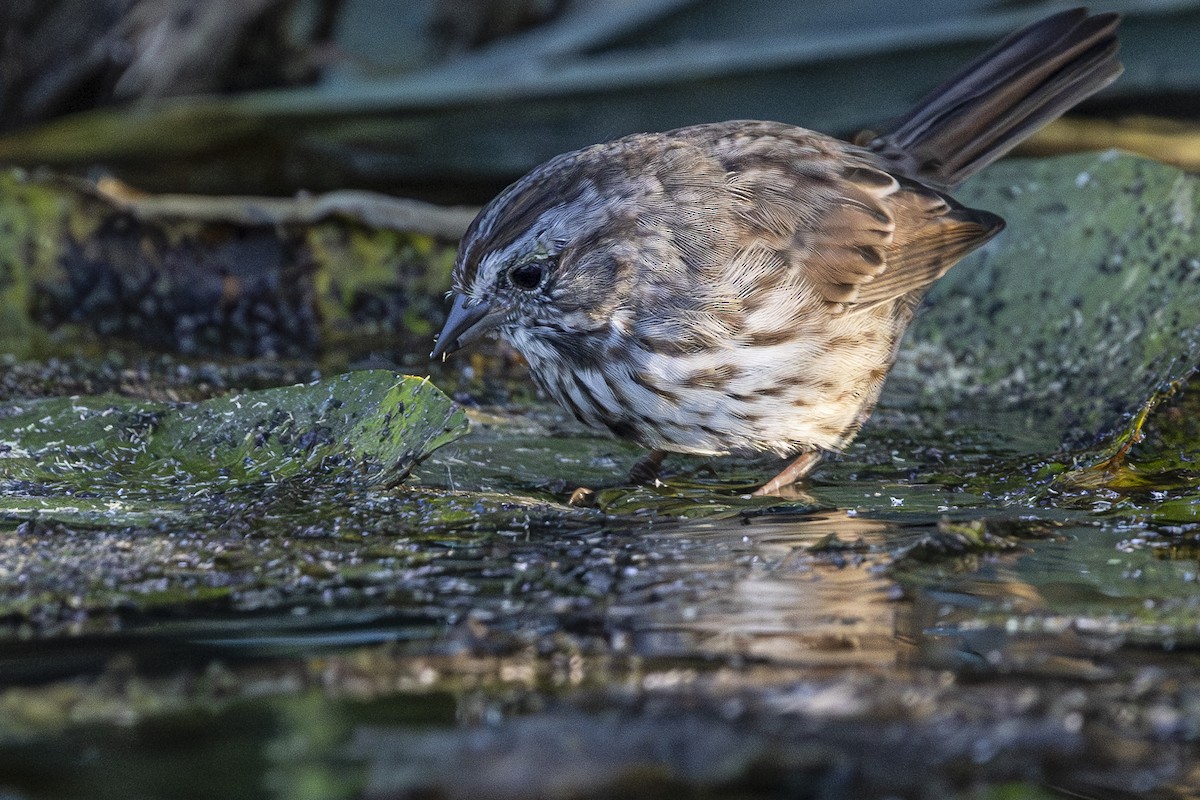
(859, 235)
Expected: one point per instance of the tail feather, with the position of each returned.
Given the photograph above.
(1030, 78)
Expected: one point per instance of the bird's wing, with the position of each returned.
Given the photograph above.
(931, 233)
(858, 235)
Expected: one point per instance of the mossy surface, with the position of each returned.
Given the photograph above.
(79, 268)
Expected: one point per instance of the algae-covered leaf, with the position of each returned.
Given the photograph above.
(374, 423)
(1087, 305)
(76, 458)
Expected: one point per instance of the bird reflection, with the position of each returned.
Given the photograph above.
(805, 590)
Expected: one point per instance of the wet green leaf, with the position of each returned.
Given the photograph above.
(122, 461)
(1082, 310)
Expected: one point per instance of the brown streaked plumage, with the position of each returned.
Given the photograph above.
(744, 285)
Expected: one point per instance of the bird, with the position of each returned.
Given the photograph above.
(743, 286)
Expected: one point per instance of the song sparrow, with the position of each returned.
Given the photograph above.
(743, 286)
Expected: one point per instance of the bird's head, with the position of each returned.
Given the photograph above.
(542, 260)
(582, 239)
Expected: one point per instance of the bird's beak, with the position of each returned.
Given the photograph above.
(465, 323)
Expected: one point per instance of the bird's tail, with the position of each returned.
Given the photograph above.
(1027, 80)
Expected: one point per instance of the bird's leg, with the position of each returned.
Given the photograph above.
(804, 464)
(645, 471)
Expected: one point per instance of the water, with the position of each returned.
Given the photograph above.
(834, 653)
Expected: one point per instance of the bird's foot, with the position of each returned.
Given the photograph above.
(644, 472)
(583, 497)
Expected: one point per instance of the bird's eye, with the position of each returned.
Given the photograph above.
(527, 276)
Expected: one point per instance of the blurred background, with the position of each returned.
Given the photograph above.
(451, 99)
(143, 138)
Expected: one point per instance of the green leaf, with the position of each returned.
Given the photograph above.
(76, 458)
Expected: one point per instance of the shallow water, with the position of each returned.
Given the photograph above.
(829, 653)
